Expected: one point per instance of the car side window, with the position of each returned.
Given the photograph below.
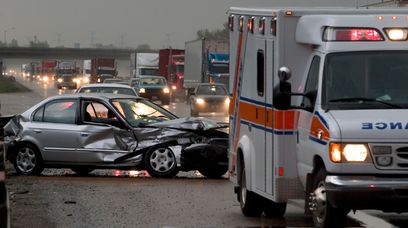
(96, 112)
(38, 115)
(60, 111)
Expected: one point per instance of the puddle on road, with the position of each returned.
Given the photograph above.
(117, 173)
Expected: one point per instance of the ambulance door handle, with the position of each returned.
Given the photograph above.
(249, 127)
(256, 113)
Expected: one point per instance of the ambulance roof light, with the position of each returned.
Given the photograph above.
(273, 26)
(397, 34)
(231, 22)
(251, 22)
(241, 23)
(351, 34)
(262, 24)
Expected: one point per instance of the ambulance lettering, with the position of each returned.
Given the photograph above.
(384, 126)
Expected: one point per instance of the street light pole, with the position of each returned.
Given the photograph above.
(5, 34)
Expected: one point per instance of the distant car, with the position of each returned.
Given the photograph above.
(209, 97)
(154, 88)
(102, 131)
(107, 88)
(115, 80)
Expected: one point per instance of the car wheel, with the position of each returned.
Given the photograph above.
(274, 210)
(213, 172)
(161, 162)
(250, 203)
(82, 171)
(324, 215)
(27, 160)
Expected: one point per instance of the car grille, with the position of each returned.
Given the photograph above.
(397, 152)
(154, 92)
(67, 79)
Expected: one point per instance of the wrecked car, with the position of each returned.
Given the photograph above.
(101, 131)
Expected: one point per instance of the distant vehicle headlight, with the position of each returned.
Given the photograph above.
(166, 90)
(142, 90)
(45, 78)
(340, 152)
(227, 101)
(59, 80)
(173, 87)
(86, 80)
(200, 101)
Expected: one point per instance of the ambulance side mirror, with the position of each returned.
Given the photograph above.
(282, 92)
(284, 74)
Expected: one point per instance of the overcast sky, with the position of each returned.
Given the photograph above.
(155, 22)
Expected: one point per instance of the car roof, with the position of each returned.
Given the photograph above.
(106, 96)
(103, 85)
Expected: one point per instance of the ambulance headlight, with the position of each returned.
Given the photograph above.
(142, 90)
(349, 152)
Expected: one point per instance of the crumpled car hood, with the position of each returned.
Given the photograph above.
(188, 124)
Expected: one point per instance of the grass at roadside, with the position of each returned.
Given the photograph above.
(9, 85)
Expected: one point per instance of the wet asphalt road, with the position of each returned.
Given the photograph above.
(109, 198)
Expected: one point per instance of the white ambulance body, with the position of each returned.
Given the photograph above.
(319, 108)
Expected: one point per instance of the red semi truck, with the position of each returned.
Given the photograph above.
(102, 68)
(48, 69)
(171, 66)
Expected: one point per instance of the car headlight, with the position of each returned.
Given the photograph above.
(166, 90)
(349, 152)
(227, 101)
(59, 80)
(142, 90)
(200, 101)
(75, 80)
(86, 80)
(173, 87)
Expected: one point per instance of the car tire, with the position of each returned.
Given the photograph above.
(324, 215)
(27, 160)
(250, 203)
(213, 172)
(82, 171)
(274, 210)
(161, 162)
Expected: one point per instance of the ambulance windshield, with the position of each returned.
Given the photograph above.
(366, 80)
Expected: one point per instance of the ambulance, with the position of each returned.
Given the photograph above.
(319, 110)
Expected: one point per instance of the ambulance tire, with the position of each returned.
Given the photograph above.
(250, 203)
(325, 215)
(274, 210)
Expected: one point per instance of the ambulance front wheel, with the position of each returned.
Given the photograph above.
(324, 215)
(251, 203)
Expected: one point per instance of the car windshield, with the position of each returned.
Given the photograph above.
(152, 81)
(211, 90)
(141, 112)
(124, 91)
(367, 80)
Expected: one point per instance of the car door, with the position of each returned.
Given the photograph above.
(102, 135)
(55, 131)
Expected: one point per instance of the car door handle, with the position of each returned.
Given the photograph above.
(84, 134)
(37, 131)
